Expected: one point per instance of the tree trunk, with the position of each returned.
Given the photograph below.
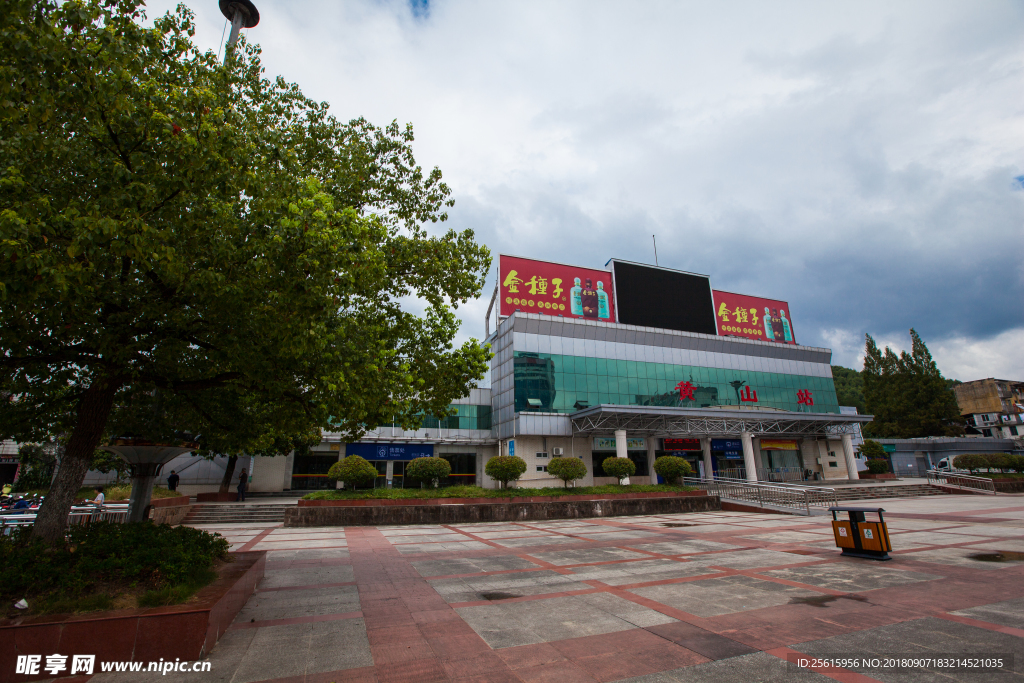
(93, 411)
(229, 474)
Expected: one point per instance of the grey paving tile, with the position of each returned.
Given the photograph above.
(639, 571)
(472, 566)
(1006, 613)
(685, 547)
(563, 558)
(505, 586)
(960, 557)
(538, 541)
(749, 559)
(409, 548)
(270, 605)
(754, 668)
(851, 576)
(303, 649)
(713, 597)
(312, 554)
(928, 637)
(307, 576)
(536, 621)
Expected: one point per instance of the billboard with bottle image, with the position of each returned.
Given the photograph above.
(752, 317)
(556, 289)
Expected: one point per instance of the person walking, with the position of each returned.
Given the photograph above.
(243, 481)
(172, 481)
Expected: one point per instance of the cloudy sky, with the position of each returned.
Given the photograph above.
(861, 160)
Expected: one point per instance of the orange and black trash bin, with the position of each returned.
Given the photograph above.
(859, 537)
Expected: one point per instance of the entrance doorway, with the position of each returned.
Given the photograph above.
(309, 472)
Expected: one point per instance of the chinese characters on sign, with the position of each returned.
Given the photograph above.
(554, 289)
(804, 398)
(754, 318)
(686, 391)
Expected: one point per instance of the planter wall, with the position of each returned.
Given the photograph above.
(187, 631)
(868, 475)
(447, 511)
(169, 510)
(217, 497)
(1009, 485)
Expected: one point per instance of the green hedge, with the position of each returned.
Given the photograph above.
(161, 564)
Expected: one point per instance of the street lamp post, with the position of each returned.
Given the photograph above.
(241, 14)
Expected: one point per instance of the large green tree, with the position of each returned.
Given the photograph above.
(907, 394)
(187, 247)
(849, 387)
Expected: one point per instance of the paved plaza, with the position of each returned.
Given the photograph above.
(725, 596)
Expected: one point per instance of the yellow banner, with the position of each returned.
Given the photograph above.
(778, 445)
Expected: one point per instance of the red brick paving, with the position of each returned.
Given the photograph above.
(415, 636)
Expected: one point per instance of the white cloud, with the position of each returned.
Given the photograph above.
(856, 159)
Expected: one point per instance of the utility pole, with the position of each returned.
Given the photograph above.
(241, 14)
(655, 249)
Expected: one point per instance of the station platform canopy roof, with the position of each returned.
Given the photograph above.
(674, 421)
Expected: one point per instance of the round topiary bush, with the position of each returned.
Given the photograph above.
(997, 461)
(567, 469)
(970, 461)
(354, 471)
(1015, 462)
(428, 470)
(619, 468)
(672, 467)
(872, 449)
(878, 466)
(505, 468)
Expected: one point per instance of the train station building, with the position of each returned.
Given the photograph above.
(628, 361)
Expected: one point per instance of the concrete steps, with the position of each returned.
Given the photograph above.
(236, 513)
(849, 493)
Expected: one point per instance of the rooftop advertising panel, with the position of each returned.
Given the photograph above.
(650, 296)
(753, 317)
(554, 289)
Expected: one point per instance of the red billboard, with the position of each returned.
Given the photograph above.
(753, 317)
(554, 289)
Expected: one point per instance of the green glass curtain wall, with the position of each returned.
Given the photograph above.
(559, 383)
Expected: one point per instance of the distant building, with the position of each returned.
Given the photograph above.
(993, 407)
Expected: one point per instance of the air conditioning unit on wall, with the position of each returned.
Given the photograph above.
(557, 451)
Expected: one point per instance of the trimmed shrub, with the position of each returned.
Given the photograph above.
(354, 471)
(970, 461)
(997, 461)
(1015, 462)
(872, 449)
(102, 559)
(619, 468)
(567, 469)
(428, 470)
(505, 468)
(878, 466)
(672, 467)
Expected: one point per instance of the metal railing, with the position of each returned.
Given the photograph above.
(961, 481)
(80, 514)
(794, 497)
(780, 474)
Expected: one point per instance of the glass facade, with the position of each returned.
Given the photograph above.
(554, 383)
(465, 417)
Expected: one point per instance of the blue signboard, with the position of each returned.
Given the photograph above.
(390, 451)
(511, 448)
(732, 448)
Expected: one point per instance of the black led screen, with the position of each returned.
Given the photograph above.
(669, 299)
